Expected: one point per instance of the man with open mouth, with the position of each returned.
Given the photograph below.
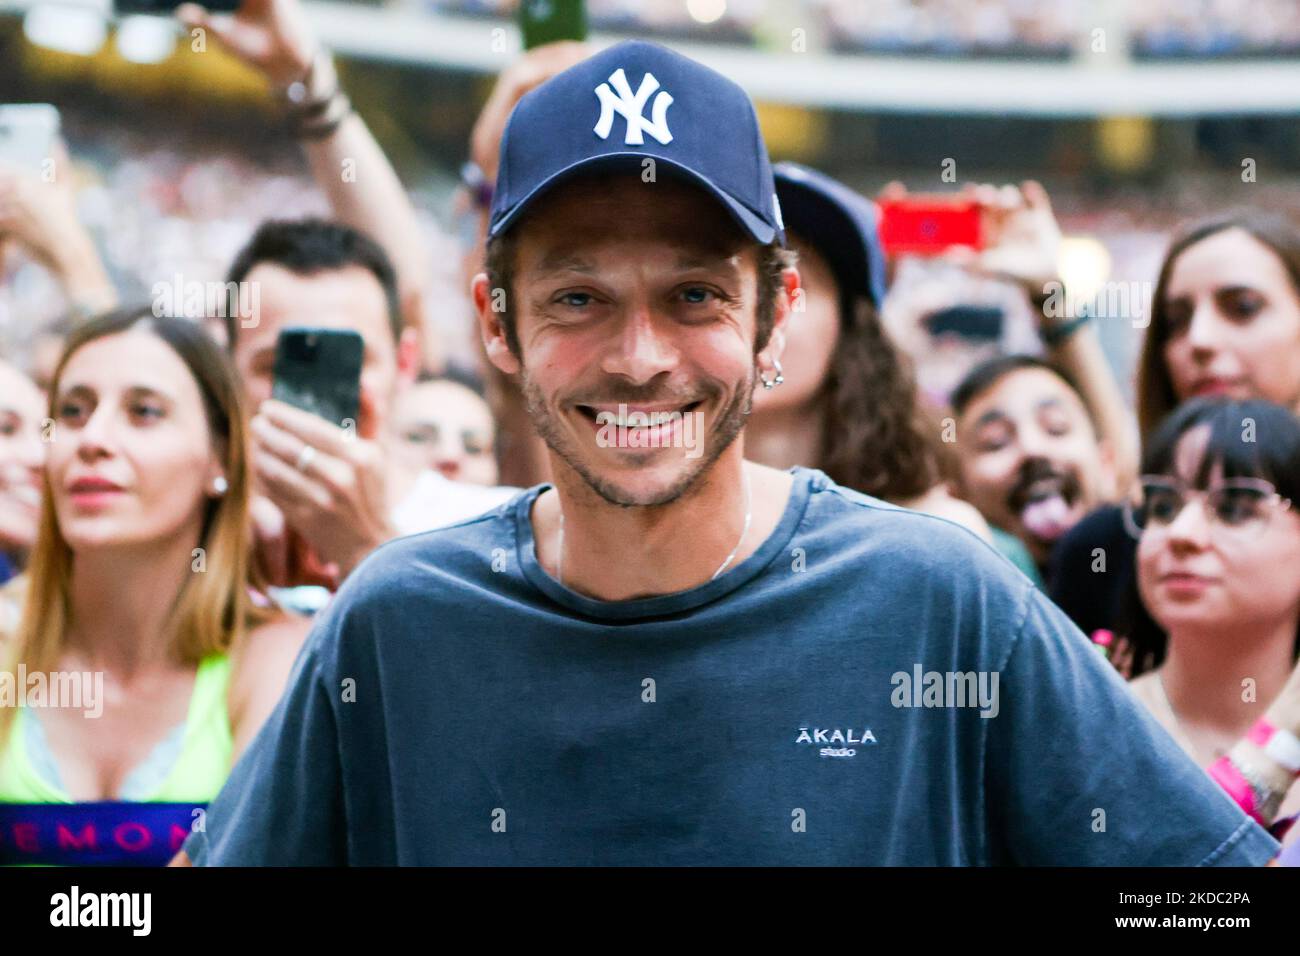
(667, 658)
(1029, 455)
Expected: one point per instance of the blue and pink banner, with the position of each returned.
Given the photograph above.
(95, 834)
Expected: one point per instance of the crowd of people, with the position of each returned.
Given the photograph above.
(1185, 28)
(313, 632)
(1205, 28)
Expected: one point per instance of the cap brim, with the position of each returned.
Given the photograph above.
(753, 224)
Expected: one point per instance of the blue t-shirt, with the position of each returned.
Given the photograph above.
(871, 686)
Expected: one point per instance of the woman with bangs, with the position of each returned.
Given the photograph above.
(1225, 322)
(141, 598)
(1218, 571)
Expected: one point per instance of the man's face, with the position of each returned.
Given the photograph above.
(1030, 459)
(350, 298)
(447, 428)
(642, 295)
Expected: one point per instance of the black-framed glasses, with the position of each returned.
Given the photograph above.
(1235, 504)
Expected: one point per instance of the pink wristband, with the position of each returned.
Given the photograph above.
(1226, 774)
(1282, 746)
(1260, 732)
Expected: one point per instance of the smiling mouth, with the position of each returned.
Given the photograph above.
(636, 417)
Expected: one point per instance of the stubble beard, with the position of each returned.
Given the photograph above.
(729, 425)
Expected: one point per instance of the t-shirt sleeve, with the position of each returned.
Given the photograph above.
(1078, 773)
(282, 805)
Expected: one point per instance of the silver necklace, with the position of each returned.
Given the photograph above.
(749, 515)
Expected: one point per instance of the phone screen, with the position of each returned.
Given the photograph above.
(929, 225)
(549, 21)
(976, 323)
(166, 7)
(27, 135)
(319, 371)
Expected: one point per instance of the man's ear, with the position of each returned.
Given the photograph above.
(788, 300)
(490, 304)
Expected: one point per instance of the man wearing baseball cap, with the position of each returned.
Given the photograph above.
(672, 656)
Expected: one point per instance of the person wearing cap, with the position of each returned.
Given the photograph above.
(670, 655)
(849, 403)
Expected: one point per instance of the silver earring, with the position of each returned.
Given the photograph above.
(771, 383)
(220, 485)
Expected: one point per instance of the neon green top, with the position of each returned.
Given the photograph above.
(196, 776)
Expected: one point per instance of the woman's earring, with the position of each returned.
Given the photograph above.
(220, 485)
(771, 383)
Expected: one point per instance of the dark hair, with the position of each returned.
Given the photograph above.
(988, 373)
(1155, 387)
(1272, 453)
(306, 247)
(877, 438)
(456, 373)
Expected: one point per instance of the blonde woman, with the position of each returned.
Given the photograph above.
(144, 656)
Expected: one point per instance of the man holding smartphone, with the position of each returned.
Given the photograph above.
(679, 658)
(325, 500)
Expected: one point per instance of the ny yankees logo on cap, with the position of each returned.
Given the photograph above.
(632, 109)
(567, 127)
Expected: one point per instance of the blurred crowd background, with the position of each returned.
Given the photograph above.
(1081, 138)
(180, 153)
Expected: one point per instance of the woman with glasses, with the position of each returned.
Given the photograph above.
(1218, 570)
(1225, 321)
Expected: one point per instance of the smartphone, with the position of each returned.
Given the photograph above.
(167, 7)
(927, 225)
(976, 323)
(319, 371)
(28, 133)
(549, 21)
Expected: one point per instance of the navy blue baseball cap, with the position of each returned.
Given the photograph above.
(633, 101)
(841, 225)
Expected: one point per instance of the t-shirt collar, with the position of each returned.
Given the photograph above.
(664, 604)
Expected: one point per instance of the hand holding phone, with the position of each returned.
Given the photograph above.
(38, 207)
(929, 225)
(319, 371)
(330, 485)
(1007, 231)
